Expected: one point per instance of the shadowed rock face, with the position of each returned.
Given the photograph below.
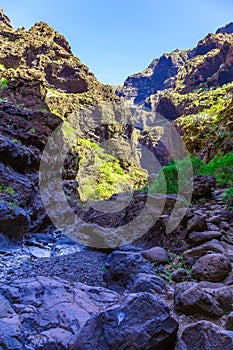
(186, 84)
(182, 71)
(158, 76)
(42, 85)
(80, 317)
(228, 29)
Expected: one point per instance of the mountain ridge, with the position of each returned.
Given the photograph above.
(182, 84)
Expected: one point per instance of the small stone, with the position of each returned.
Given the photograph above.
(156, 254)
(179, 275)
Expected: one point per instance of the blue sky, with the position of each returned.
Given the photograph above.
(118, 38)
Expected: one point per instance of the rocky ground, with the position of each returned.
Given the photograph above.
(151, 296)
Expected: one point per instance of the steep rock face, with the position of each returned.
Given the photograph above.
(43, 86)
(195, 91)
(38, 72)
(226, 29)
(158, 76)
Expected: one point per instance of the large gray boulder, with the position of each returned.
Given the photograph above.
(46, 312)
(53, 314)
(139, 321)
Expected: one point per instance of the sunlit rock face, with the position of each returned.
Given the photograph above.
(194, 89)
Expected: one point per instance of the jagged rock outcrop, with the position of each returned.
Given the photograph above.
(228, 28)
(194, 85)
(159, 75)
(43, 86)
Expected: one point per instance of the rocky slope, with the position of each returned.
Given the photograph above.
(43, 85)
(194, 88)
(78, 301)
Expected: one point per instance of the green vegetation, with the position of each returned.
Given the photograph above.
(3, 84)
(7, 189)
(221, 167)
(43, 110)
(100, 174)
(177, 262)
(228, 196)
(16, 141)
(167, 179)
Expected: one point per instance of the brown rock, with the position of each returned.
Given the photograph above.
(202, 237)
(191, 299)
(212, 267)
(211, 246)
(205, 335)
(197, 224)
(156, 254)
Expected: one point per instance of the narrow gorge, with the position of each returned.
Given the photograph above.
(116, 203)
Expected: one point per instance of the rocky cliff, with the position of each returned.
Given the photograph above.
(194, 86)
(165, 281)
(43, 86)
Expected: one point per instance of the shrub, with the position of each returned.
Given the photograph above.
(228, 196)
(7, 189)
(167, 179)
(221, 168)
(3, 84)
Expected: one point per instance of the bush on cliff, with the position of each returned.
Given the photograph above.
(167, 180)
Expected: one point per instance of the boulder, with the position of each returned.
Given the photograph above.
(225, 298)
(203, 187)
(202, 237)
(212, 267)
(14, 221)
(138, 321)
(205, 335)
(156, 255)
(47, 312)
(122, 268)
(144, 282)
(197, 224)
(211, 246)
(191, 299)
